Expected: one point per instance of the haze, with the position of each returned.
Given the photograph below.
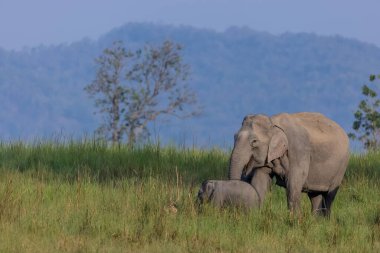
(32, 23)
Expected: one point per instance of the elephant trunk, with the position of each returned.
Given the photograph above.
(261, 182)
(239, 159)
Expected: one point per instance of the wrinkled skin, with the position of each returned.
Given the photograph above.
(305, 152)
(223, 193)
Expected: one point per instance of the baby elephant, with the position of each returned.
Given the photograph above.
(235, 193)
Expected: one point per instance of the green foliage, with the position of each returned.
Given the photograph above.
(102, 163)
(54, 197)
(367, 118)
(133, 88)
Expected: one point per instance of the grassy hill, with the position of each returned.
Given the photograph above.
(85, 197)
(235, 72)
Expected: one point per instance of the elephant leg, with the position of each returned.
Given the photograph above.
(294, 198)
(328, 200)
(294, 183)
(317, 203)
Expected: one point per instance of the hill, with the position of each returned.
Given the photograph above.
(235, 72)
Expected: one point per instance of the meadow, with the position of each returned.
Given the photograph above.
(82, 196)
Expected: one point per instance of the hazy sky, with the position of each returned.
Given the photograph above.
(34, 22)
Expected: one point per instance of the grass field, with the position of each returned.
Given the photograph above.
(85, 197)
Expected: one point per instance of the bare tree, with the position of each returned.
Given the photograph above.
(132, 89)
(108, 92)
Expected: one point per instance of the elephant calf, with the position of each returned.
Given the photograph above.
(235, 193)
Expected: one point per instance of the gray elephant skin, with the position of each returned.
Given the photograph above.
(233, 193)
(305, 152)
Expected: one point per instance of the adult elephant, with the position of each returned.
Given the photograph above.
(306, 152)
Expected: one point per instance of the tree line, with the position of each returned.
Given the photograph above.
(133, 88)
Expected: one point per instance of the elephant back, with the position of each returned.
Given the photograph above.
(322, 130)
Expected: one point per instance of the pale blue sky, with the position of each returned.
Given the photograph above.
(34, 22)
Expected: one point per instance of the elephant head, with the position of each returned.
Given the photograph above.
(205, 192)
(257, 144)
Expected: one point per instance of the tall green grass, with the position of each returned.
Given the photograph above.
(103, 163)
(87, 197)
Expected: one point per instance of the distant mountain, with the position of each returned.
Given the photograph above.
(235, 72)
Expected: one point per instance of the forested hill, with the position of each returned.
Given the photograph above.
(235, 72)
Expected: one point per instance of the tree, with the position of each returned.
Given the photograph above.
(108, 91)
(133, 88)
(367, 118)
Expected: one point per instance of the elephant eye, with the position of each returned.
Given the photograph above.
(254, 143)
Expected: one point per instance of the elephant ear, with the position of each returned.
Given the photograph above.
(278, 144)
(210, 188)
